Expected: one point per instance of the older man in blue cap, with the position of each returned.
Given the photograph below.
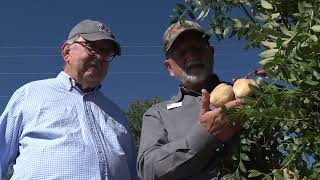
(64, 127)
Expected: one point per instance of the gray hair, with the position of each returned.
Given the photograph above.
(72, 40)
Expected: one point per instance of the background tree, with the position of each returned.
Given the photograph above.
(135, 113)
(281, 125)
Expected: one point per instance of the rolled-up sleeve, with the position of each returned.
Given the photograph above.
(10, 123)
(159, 158)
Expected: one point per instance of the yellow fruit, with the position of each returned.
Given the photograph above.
(221, 94)
(241, 87)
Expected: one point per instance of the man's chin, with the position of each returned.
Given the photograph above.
(92, 76)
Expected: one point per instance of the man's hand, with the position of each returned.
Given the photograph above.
(212, 120)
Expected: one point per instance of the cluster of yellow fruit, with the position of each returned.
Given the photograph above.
(224, 93)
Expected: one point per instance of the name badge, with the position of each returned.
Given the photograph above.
(174, 105)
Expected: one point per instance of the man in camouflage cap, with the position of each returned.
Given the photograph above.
(176, 29)
(181, 137)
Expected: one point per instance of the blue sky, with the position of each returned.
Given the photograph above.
(32, 32)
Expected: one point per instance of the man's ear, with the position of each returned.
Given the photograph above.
(168, 66)
(65, 51)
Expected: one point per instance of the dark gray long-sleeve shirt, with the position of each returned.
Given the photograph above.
(174, 145)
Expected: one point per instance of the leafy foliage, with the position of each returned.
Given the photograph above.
(281, 125)
(135, 114)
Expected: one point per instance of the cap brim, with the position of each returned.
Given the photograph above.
(205, 35)
(99, 36)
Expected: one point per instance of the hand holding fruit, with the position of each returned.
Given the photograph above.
(221, 128)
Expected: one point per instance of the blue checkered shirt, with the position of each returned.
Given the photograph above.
(50, 129)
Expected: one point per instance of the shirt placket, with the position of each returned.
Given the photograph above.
(96, 137)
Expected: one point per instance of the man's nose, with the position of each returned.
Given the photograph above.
(191, 55)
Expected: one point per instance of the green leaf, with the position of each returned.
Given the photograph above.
(285, 43)
(266, 61)
(204, 13)
(234, 157)
(307, 5)
(268, 53)
(237, 24)
(191, 15)
(181, 6)
(267, 177)
(275, 15)
(316, 75)
(254, 173)
(316, 20)
(190, 3)
(316, 28)
(242, 167)
(198, 3)
(285, 30)
(225, 32)
(265, 4)
(270, 45)
(314, 38)
(313, 83)
(237, 173)
(278, 176)
(244, 157)
(178, 11)
(300, 7)
(218, 30)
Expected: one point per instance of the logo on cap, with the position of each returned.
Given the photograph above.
(102, 28)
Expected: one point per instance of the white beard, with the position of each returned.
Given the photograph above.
(193, 77)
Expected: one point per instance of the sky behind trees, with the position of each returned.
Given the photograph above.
(32, 33)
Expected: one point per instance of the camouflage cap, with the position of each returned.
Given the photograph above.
(176, 29)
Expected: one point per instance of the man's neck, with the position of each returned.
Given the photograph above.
(84, 89)
(196, 87)
(80, 82)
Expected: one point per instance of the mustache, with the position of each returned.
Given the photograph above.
(195, 63)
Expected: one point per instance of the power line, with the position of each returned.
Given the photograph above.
(29, 47)
(27, 73)
(57, 47)
(124, 55)
(29, 55)
(119, 97)
(139, 45)
(56, 55)
(51, 73)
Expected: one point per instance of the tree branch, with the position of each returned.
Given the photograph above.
(247, 13)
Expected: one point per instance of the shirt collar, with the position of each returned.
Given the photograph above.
(70, 83)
